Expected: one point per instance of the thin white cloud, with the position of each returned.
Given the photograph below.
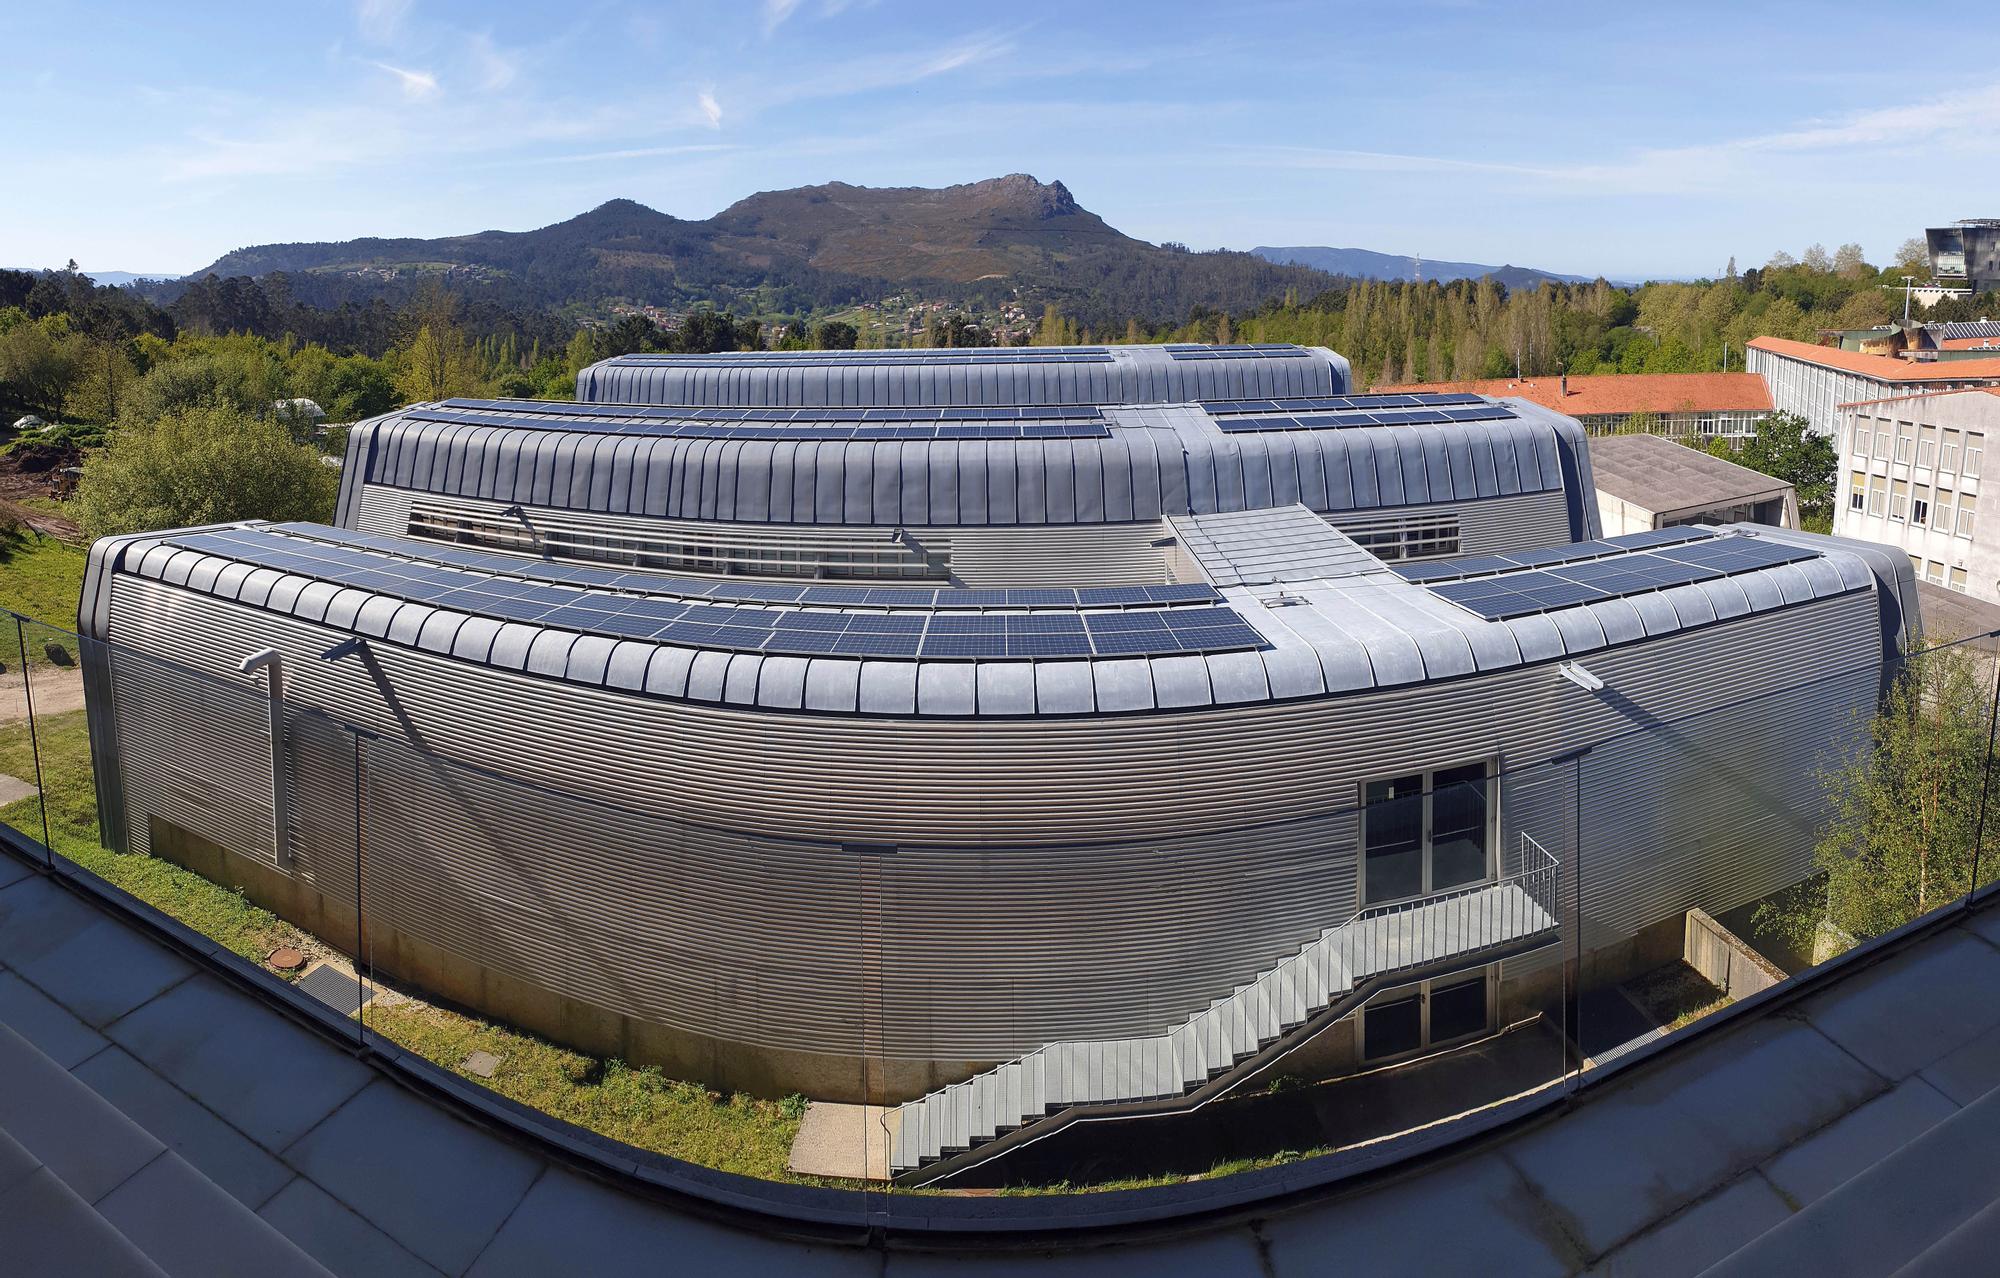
(711, 110)
(381, 20)
(496, 67)
(416, 85)
(1699, 168)
(633, 153)
(776, 12)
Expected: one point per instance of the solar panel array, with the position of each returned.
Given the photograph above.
(876, 415)
(1344, 412)
(1959, 330)
(1335, 403)
(808, 424)
(789, 632)
(1537, 590)
(1573, 552)
(947, 598)
(970, 355)
(1244, 350)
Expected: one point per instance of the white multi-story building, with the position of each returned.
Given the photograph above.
(1913, 467)
(1817, 382)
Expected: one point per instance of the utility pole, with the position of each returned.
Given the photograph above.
(1906, 299)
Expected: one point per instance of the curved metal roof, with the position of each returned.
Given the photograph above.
(1111, 464)
(995, 376)
(1359, 630)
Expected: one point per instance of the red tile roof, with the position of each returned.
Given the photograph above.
(1596, 394)
(1882, 368)
(1969, 344)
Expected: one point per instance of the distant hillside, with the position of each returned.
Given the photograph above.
(1366, 264)
(814, 246)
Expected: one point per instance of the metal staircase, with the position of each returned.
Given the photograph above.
(1206, 1055)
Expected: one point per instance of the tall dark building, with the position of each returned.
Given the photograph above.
(1968, 250)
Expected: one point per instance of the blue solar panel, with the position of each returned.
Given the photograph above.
(941, 635)
(541, 570)
(1573, 552)
(982, 355)
(671, 424)
(1660, 562)
(1261, 350)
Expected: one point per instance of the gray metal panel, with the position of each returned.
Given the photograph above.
(832, 686)
(1064, 687)
(727, 846)
(1006, 688)
(946, 687)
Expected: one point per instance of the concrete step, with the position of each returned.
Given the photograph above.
(1893, 1212)
(181, 1222)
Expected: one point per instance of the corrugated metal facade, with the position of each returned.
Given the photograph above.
(1015, 882)
(1153, 462)
(1131, 375)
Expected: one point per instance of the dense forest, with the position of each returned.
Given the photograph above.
(71, 351)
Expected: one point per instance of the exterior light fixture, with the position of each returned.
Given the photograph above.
(1582, 678)
(345, 648)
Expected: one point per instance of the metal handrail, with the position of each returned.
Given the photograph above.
(1517, 918)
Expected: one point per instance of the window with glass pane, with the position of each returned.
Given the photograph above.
(1458, 1010)
(1393, 1027)
(1458, 827)
(1392, 833)
(1969, 463)
(1965, 519)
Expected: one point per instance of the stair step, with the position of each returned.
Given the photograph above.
(1207, 1045)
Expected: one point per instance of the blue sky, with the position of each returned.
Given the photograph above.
(1633, 140)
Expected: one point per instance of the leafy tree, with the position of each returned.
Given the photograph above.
(834, 335)
(1913, 257)
(1848, 263)
(955, 330)
(207, 464)
(41, 363)
(437, 364)
(629, 336)
(1906, 795)
(1786, 447)
(1816, 260)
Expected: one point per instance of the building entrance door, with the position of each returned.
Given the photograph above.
(1425, 833)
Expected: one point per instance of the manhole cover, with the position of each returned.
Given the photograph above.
(480, 1063)
(286, 959)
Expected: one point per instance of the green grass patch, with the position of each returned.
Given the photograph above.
(642, 1107)
(40, 577)
(217, 912)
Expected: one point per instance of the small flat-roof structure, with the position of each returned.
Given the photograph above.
(1681, 404)
(1620, 393)
(1644, 481)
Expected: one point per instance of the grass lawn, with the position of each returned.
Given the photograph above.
(641, 1107)
(1676, 994)
(40, 577)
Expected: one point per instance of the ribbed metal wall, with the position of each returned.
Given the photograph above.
(1018, 882)
(1134, 375)
(1177, 464)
